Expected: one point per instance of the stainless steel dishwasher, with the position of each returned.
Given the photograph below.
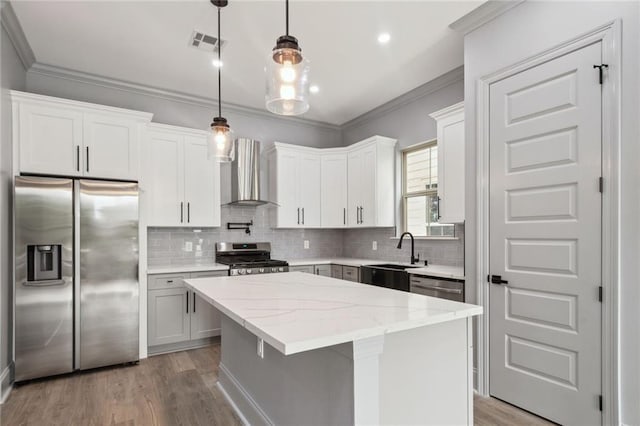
(444, 288)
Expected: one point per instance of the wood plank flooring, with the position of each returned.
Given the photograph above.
(164, 390)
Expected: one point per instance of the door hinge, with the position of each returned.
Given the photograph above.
(600, 402)
(600, 291)
(601, 184)
(600, 71)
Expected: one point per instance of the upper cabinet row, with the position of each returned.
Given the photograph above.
(61, 137)
(333, 188)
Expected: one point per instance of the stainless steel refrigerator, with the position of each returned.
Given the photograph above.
(76, 275)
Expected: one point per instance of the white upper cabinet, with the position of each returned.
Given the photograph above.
(335, 187)
(68, 138)
(371, 183)
(333, 190)
(181, 186)
(294, 184)
(451, 189)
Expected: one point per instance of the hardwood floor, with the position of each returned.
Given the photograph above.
(173, 389)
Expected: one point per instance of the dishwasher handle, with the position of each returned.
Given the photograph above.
(434, 288)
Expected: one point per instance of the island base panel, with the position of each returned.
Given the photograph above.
(418, 376)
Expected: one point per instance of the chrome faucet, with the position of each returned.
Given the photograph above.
(414, 259)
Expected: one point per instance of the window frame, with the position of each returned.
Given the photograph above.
(425, 193)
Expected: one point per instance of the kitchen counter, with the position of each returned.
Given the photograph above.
(335, 352)
(176, 269)
(296, 312)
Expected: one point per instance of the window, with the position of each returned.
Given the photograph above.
(420, 192)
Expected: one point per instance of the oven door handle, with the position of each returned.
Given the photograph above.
(442, 289)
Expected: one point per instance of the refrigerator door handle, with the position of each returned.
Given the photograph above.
(43, 283)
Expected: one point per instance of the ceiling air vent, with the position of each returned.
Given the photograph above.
(205, 42)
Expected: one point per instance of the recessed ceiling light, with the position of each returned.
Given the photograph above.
(314, 89)
(216, 63)
(384, 38)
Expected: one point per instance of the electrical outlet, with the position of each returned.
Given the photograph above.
(374, 246)
(188, 246)
(306, 244)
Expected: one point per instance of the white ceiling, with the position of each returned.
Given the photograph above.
(146, 42)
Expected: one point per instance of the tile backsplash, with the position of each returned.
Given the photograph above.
(170, 246)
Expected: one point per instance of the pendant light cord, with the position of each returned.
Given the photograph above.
(286, 7)
(219, 69)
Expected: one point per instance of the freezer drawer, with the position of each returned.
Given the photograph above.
(437, 287)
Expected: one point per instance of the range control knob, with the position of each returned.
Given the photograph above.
(261, 270)
(274, 269)
(281, 269)
(249, 271)
(241, 271)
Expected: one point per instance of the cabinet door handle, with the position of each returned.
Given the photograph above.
(361, 214)
(189, 214)
(298, 215)
(87, 159)
(194, 302)
(77, 158)
(181, 211)
(187, 302)
(344, 216)
(303, 215)
(438, 209)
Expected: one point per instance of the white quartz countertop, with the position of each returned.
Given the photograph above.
(440, 271)
(176, 269)
(296, 312)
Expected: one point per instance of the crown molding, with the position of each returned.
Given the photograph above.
(454, 76)
(483, 14)
(127, 86)
(11, 24)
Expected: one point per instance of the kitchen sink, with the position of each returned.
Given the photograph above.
(394, 266)
(389, 275)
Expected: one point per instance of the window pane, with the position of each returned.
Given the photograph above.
(421, 169)
(422, 217)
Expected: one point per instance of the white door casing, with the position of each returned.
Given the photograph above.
(545, 224)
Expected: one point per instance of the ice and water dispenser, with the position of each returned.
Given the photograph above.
(44, 262)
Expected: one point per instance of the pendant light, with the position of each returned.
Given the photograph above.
(287, 76)
(221, 141)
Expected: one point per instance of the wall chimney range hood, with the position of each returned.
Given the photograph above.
(245, 174)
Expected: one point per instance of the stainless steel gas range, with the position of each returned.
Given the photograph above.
(249, 258)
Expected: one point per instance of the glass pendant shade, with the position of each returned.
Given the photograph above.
(221, 141)
(287, 82)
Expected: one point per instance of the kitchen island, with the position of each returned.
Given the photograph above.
(305, 349)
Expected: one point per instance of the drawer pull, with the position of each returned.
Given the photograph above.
(442, 289)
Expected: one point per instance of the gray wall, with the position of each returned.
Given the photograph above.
(12, 77)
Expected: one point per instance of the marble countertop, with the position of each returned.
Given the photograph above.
(296, 312)
(440, 271)
(175, 269)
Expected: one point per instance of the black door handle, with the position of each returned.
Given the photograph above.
(497, 279)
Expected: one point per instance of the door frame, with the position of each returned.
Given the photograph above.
(610, 35)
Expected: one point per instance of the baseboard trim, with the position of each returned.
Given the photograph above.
(182, 346)
(243, 404)
(5, 383)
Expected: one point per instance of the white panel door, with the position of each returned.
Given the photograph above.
(333, 191)
(289, 214)
(50, 140)
(354, 187)
(368, 174)
(310, 187)
(201, 184)
(545, 238)
(164, 179)
(110, 147)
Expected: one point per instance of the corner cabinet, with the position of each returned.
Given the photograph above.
(294, 184)
(347, 187)
(68, 138)
(181, 186)
(451, 176)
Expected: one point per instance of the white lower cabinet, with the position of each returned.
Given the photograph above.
(302, 268)
(336, 271)
(323, 270)
(177, 318)
(351, 273)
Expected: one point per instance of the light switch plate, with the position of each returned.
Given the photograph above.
(374, 246)
(306, 244)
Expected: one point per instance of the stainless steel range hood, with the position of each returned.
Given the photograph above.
(245, 174)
